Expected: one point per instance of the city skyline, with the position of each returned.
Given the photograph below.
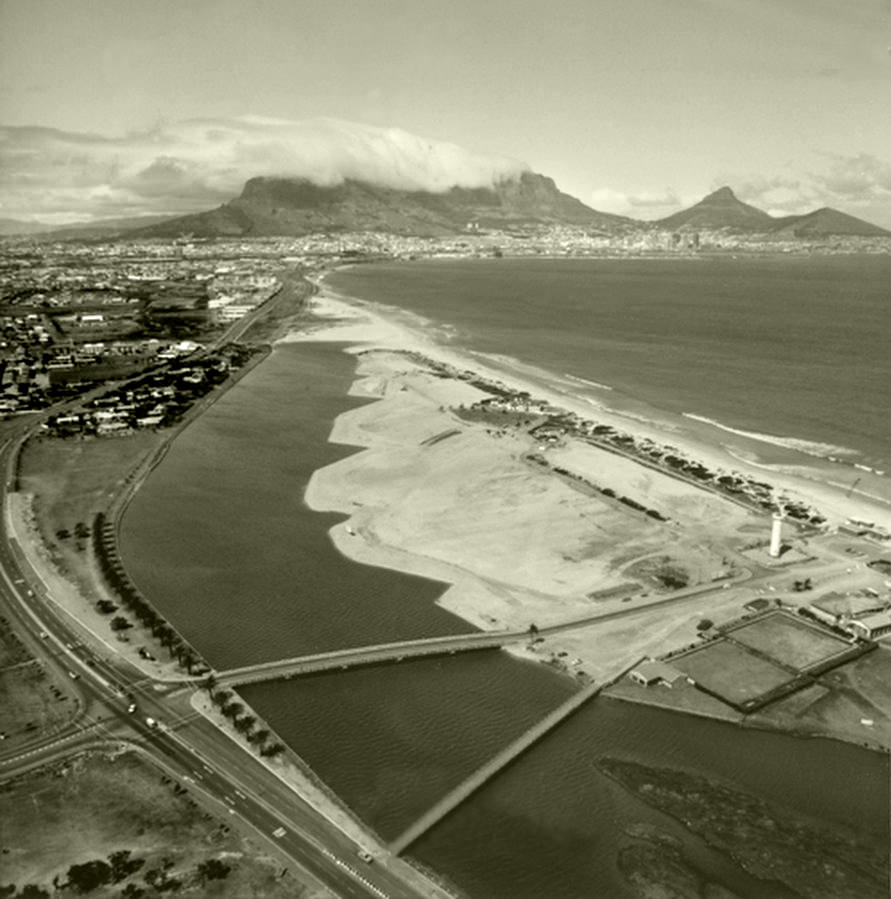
(639, 109)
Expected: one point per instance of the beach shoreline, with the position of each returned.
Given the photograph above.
(809, 473)
(461, 475)
(479, 508)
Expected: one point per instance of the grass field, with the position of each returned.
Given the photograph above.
(85, 810)
(731, 672)
(71, 481)
(29, 701)
(788, 641)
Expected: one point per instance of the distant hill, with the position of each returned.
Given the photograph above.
(826, 221)
(722, 209)
(102, 229)
(269, 207)
(13, 227)
(293, 206)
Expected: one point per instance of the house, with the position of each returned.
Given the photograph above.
(652, 671)
(871, 626)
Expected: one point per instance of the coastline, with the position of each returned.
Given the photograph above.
(498, 518)
(800, 473)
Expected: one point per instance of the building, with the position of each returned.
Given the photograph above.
(871, 626)
(652, 671)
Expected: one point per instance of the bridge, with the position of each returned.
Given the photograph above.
(341, 659)
(486, 772)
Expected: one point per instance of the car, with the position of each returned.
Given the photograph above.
(131, 708)
(279, 832)
(73, 675)
(151, 722)
(43, 635)
(366, 856)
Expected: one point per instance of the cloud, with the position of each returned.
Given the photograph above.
(857, 179)
(643, 204)
(859, 185)
(196, 164)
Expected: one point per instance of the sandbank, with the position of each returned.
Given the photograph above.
(467, 503)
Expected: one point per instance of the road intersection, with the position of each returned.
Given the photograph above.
(219, 772)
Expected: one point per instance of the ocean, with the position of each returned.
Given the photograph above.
(789, 353)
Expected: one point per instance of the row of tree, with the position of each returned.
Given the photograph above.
(120, 582)
(243, 721)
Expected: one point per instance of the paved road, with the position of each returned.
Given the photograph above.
(205, 760)
(369, 655)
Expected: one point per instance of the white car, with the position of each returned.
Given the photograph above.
(279, 832)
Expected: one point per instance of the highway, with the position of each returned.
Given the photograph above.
(219, 772)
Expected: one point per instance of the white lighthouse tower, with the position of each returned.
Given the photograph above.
(776, 535)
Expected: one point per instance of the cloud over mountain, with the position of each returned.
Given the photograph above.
(59, 176)
(860, 184)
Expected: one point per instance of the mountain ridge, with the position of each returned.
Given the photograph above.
(282, 206)
(270, 206)
(723, 210)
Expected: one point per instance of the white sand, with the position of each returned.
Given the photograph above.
(434, 495)
(375, 326)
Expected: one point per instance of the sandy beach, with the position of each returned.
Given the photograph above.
(466, 503)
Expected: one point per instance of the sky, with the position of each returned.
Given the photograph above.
(640, 107)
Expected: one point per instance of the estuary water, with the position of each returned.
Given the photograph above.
(221, 541)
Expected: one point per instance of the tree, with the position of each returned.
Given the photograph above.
(88, 876)
(533, 630)
(210, 682)
(259, 737)
(704, 624)
(273, 750)
(213, 869)
(232, 709)
(122, 866)
(220, 697)
(187, 658)
(245, 724)
(32, 891)
(119, 623)
(63, 533)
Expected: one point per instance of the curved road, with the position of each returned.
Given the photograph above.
(208, 762)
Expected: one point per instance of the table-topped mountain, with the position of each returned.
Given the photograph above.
(293, 206)
(722, 209)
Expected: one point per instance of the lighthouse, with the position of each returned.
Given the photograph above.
(776, 535)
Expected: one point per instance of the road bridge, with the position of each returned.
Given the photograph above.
(342, 659)
(486, 772)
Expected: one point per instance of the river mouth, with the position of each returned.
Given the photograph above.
(220, 539)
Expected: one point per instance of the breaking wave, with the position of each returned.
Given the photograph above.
(588, 383)
(810, 447)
